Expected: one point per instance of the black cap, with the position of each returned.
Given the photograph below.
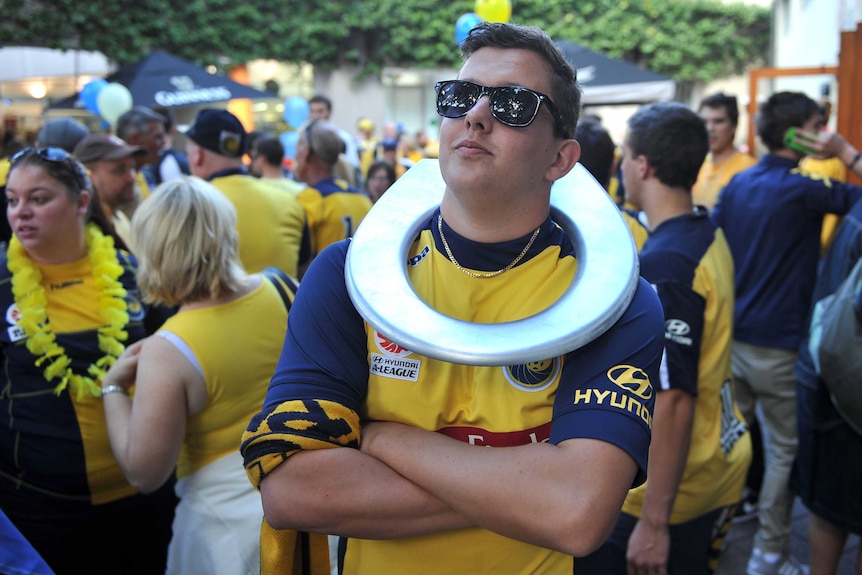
(218, 131)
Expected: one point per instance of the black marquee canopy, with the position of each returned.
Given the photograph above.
(166, 80)
(606, 80)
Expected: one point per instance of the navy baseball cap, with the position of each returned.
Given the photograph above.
(218, 131)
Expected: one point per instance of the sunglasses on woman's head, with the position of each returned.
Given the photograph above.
(50, 154)
(510, 105)
(57, 156)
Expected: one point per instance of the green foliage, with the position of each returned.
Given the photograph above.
(686, 39)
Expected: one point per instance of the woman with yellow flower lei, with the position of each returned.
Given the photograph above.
(71, 307)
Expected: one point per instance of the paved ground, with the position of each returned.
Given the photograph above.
(737, 546)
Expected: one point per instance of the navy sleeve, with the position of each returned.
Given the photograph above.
(324, 356)
(683, 316)
(829, 196)
(606, 391)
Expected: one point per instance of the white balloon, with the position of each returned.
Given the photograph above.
(113, 100)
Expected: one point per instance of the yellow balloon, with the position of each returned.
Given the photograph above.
(494, 10)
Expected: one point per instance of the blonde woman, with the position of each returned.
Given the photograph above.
(70, 304)
(200, 378)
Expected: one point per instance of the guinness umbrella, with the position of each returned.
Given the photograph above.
(162, 78)
(607, 80)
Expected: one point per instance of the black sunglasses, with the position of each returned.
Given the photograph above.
(56, 156)
(510, 105)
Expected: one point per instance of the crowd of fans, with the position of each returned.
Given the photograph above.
(147, 291)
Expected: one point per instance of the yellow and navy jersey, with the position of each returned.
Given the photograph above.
(835, 170)
(334, 209)
(688, 263)
(143, 185)
(235, 388)
(771, 216)
(711, 179)
(336, 370)
(636, 222)
(270, 223)
(56, 445)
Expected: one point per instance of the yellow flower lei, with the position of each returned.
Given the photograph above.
(41, 340)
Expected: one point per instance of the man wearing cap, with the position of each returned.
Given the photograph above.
(334, 207)
(271, 224)
(111, 164)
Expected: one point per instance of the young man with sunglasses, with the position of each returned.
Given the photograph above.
(421, 465)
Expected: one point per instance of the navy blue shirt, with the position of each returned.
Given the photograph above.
(845, 251)
(772, 216)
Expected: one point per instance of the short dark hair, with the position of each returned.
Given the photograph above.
(384, 165)
(722, 100)
(780, 112)
(167, 114)
(270, 149)
(597, 150)
(321, 99)
(674, 140)
(565, 92)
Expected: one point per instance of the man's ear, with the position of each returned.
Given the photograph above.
(642, 167)
(568, 155)
(195, 155)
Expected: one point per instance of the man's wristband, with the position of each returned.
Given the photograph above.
(114, 389)
(855, 159)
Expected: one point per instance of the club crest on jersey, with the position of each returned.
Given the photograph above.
(393, 362)
(533, 376)
(13, 316)
(134, 307)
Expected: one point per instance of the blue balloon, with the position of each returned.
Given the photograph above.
(464, 24)
(289, 141)
(296, 111)
(90, 93)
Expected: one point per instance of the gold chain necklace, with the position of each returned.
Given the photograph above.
(473, 274)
